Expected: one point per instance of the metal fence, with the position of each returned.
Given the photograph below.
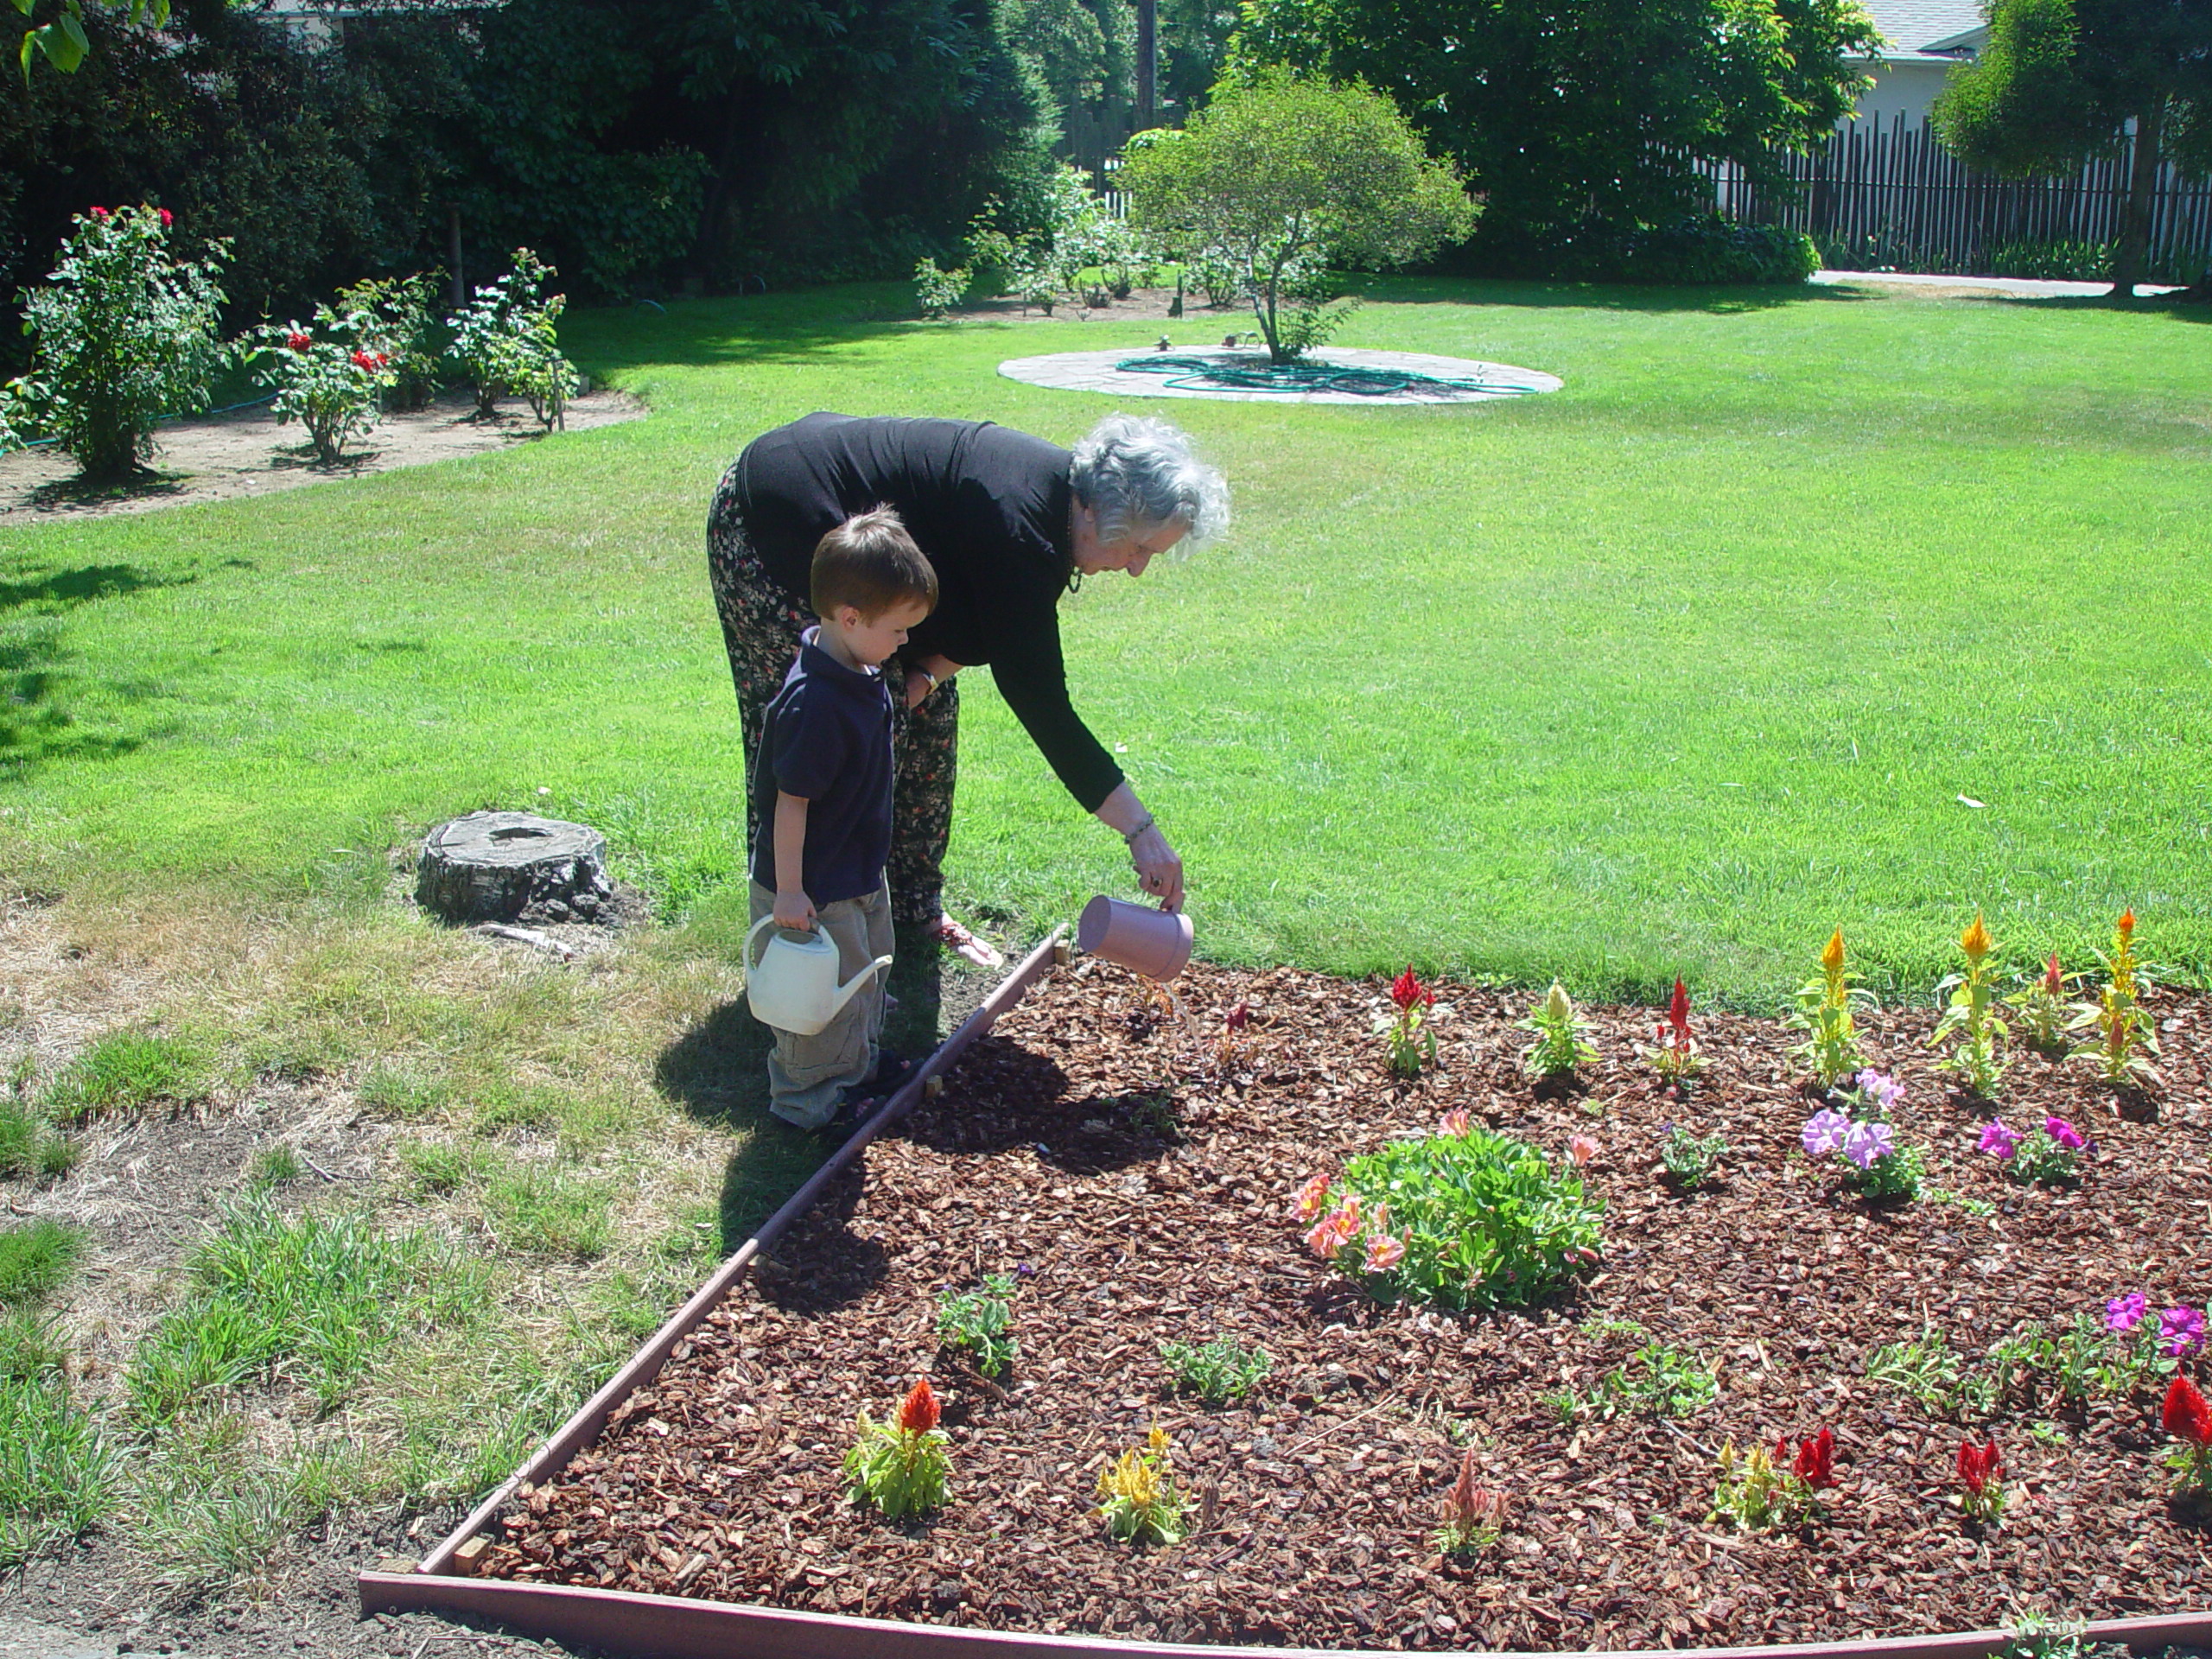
(1897, 196)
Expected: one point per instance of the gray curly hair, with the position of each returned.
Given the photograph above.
(1134, 472)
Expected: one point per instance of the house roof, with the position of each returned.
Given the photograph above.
(1929, 30)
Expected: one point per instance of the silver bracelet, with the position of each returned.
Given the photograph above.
(1130, 836)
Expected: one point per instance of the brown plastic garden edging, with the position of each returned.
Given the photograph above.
(679, 1627)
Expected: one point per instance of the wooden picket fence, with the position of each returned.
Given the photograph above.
(1896, 197)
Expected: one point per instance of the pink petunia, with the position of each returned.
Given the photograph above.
(1998, 1137)
(2064, 1133)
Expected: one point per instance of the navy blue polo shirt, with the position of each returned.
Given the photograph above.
(826, 738)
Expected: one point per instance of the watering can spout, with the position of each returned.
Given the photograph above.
(792, 983)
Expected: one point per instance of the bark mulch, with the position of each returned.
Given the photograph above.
(1096, 1143)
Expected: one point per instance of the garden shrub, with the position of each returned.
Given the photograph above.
(123, 333)
(1475, 1219)
(398, 310)
(1691, 250)
(328, 379)
(507, 341)
(938, 291)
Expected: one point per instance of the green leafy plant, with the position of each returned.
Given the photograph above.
(1474, 1515)
(2044, 1010)
(507, 341)
(2040, 1638)
(1928, 1369)
(325, 378)
(399, 311)
(1824, 1009)
(977, 1321)
(1409, 1031)
(1470, 1218)
(1138, 1499)
(1970, 1022)
(1691, 1158)
(938, 291)
(901, 1466)
(123, 331)
(1664, 1383)
(1217, 1371)
(2126, 1035)
(1560, 1044)
(1777, 1489)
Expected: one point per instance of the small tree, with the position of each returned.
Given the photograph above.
(1284, 175)
(2061, 82)
(123, 334)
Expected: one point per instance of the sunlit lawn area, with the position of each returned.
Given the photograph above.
(1674, 670)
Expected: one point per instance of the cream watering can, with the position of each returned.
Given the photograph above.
(793, 984)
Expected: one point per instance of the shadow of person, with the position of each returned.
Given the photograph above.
(822, 1265)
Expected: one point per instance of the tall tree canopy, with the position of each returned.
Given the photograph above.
(2063, 80)
(1580, 116)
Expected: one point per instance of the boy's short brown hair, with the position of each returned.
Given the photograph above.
(871, 563)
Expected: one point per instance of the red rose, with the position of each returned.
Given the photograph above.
(168, 219)
(298, 341)
(99, 212)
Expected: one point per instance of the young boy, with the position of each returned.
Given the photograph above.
(821, 799)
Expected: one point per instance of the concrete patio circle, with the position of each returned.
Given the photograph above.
(1448, 380)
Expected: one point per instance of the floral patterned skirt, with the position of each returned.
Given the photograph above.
(761, 625)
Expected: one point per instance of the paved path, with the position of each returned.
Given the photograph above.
(2022, 288)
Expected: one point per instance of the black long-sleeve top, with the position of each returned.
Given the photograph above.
(988, 506)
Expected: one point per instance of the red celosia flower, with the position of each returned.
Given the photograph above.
(168, 217)
(1407, 992)
(2187, 1416)
(1237, 1017)
(2053, 980)
(1815, 1461)
(1678, 1010)
(917, 1412)
(1978, 1465)
(2126, 917)
(298, 341)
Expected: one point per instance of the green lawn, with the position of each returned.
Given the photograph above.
(1674, 670)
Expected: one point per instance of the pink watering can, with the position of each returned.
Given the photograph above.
(1153, 943)
(793, 985)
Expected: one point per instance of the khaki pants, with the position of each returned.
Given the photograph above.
(808, 1076)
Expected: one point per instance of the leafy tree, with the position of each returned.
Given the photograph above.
(1286, 175)
(2063, 80)
(61, 40)
(1575, 116)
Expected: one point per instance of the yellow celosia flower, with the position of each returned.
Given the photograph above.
(1975, 940)
(1832, 958)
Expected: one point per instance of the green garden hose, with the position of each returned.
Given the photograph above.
(1213, 374)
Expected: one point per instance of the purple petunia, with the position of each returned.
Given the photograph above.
(1868, 1142)
(2064, 1133)
(1998, 1137)
(1878, 1090)
(2123, 1314)
(2181, 1331)
(1824, 1132)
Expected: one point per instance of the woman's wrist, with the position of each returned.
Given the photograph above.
(1142, 824)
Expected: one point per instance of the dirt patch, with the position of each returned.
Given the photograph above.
(218, 457)
(1149, 1197)
(1143, 305)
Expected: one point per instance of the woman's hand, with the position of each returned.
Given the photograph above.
(918, 686)
(925, 675)
(1160, 868)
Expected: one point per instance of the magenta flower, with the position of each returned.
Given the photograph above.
(1824, 1132)
(2064, 1133)
(1998, 1138)
(2123, 1314)
(1869, 1142)
(2181, 1331)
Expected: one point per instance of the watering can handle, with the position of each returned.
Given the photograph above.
(765, 922)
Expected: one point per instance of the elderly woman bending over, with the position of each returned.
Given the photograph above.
(1010, 522)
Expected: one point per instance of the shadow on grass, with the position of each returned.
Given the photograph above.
(717, 1073)
(37, 723)
(747, 329)
(1598, 296)
(64, 590)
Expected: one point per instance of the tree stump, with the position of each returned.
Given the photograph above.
(508, 866)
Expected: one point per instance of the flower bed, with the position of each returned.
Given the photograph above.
(1139, 1184)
